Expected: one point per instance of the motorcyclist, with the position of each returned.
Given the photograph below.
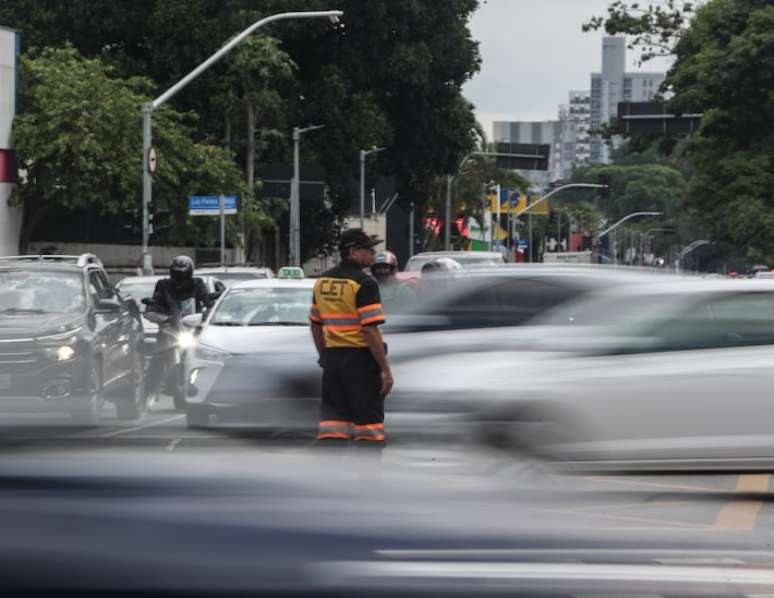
(395, 294)
(173, 298)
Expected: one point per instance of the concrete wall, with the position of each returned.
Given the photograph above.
(10, 218)
(120, 256)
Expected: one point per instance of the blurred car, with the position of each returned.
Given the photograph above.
(269, 378)
(68, 340)
(245, 335)
(249, 523)
(670, 375)
(466, 259)
(141, 287)
(230, 275)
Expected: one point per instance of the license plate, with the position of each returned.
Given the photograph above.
(5, 381)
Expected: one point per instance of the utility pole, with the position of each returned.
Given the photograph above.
(149, 107)
(295, 197)
(363, 155)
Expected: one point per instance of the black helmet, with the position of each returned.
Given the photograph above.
(181, 271)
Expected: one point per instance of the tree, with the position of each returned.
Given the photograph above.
(723, 67)
(392, 75)
(654, 29)
(78, 141)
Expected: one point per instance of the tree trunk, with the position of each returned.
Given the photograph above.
(227, 141)
(33, 216)
(250, 160)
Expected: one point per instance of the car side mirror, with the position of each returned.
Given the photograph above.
(192, 321)
(109, 304)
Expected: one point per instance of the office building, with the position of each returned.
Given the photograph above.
(614, 85)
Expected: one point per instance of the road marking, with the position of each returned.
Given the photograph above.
(743, 514)
(612, 480)
(650, 521)
(142, 427)
(171, 446)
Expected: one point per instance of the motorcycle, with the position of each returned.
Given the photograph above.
(175, 338)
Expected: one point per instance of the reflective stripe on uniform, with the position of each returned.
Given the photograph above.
(314, 313)
(369, 432)
(335, 428)
(330, 320)
(370, 314)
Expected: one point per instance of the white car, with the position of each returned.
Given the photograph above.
(671, 375)
(243, 338)
(231, 275)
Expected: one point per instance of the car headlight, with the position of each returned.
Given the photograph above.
(185, 340)
(65, 353)
(207, 353)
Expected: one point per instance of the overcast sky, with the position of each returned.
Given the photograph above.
(533, 53)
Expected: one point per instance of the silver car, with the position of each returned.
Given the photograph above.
(250, 371)
(671, 375)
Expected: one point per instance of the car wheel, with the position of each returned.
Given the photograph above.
(131, 402)
(89, 412)
(196, 417)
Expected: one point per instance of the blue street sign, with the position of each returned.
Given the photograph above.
(509, 197)
(523, 243)
(209, 205)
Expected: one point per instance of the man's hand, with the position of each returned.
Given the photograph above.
(387, 383)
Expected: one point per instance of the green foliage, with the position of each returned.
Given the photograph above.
(79, 136)
(653, 28)
(724, 67)
(392, 75)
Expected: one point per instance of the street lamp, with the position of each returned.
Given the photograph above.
(149, 107)
(688, 249)
(620, 222)
(295, 197)
(363, 155)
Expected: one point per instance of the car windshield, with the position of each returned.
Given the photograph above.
(264, 307)
(41, 291)
(415, 263)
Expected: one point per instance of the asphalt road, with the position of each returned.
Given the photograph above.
(692, 502)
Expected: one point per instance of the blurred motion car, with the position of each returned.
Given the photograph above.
(68, 340)
(245, 336)
(670, 375)
(265, 374)
(142, 287)
(231, 275)
(466, 259)
(245, 523)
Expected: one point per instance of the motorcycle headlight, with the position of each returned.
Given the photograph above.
(65, 353)
(207, 353)
(185, 340)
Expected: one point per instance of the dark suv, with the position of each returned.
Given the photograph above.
(68, 340)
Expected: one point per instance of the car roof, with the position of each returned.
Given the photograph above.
(156, 277)
(268, 283)
(451, 254)
(694, 285)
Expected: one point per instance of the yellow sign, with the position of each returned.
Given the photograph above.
(518, 206)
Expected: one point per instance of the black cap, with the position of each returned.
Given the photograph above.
(356, 237)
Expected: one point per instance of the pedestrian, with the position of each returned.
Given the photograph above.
(346, 313)
(396, 295)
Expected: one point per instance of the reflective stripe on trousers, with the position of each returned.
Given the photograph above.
(372, 432)
(335, 428)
